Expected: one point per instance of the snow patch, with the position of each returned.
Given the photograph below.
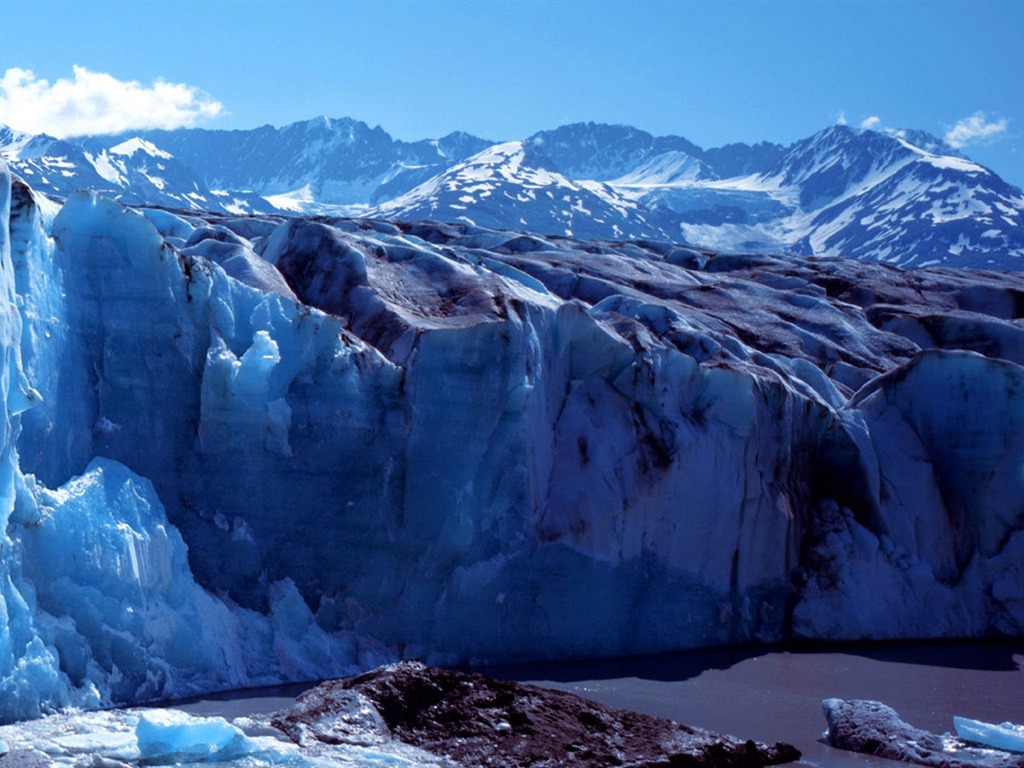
(131, 146)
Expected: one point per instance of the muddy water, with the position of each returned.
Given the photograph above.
(776, 695)
(770, 694)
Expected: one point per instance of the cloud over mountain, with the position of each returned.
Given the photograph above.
(96, 102)
(975, 129)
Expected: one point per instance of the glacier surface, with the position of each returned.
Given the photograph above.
(238, 450)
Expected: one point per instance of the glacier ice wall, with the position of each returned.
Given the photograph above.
(99, 603)
(291, 447)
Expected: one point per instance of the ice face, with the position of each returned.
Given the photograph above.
(467, 444)
(99, 603)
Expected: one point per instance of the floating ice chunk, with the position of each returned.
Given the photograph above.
(169, 733)
(1005, 736)
(119, 745)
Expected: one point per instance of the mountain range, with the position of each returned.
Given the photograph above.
(901, 197)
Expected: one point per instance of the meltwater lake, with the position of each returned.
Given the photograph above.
(768, 693)
(773, 694)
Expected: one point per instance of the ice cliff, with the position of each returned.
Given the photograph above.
(247, 449)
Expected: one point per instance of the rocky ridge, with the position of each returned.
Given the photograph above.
(900, 197)
(475, 720)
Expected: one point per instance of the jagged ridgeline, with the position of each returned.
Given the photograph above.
(245, 449)
(898, 197)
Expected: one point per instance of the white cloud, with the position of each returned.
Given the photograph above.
(94, 102)
(870, 123)
(975, 129)
(841, 118)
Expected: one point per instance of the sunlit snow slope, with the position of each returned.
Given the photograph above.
(898, 197)
(240, 449)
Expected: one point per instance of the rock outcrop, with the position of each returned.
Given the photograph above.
(872, 728)
(475, 720)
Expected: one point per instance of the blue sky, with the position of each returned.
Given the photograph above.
(712, 72)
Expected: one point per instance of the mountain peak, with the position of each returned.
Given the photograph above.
(900, 196)
(18, 145)
(926, 141)
(136, 144)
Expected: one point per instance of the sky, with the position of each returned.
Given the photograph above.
(714, 72)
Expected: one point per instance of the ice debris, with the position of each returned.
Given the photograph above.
(1008, 737)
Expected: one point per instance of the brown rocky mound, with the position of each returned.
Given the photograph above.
(873, 728)
(474, 720)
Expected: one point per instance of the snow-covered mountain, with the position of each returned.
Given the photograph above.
(904, 197)
(242, 449)
(864, 194)
(334, 162)
(516, 185)
(853, 193)
(133, 171)
(605, 152)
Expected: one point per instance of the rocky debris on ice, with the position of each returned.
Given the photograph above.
(475, 720)
(24, 758)
(873, 728)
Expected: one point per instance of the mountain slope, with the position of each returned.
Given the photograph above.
(132, 170)
(853, 193)
(604, 152)
(338, 161)
(876, 196)
(514, 185)
(904, 197)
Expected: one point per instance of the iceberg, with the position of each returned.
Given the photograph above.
(167, 735)
(1008, 737)
(241, 450)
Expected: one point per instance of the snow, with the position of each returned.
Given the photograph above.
(15, 144)
(295, 201)
(664, 169)
(131, 146)
(509, 172)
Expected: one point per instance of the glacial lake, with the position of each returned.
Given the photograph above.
(774, 694)
(769, 693)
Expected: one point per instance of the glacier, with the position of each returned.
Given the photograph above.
(246, 449)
